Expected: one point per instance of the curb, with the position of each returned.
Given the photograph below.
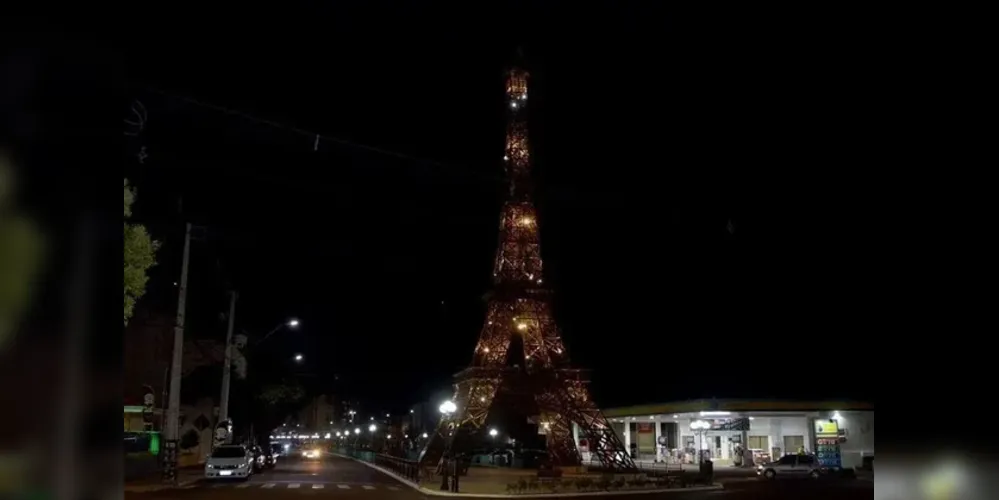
(438, 493)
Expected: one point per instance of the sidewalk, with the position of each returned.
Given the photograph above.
(185, 476)
(483, 482)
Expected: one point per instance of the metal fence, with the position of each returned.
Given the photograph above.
(409, 469)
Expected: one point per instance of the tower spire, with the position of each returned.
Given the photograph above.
(518, 257)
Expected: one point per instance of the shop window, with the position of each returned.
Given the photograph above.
(793, 443)
(757, 442)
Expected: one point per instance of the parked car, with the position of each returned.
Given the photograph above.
(791, 466)
(230, 461)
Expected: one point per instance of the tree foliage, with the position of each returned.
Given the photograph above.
(21, 247)
(283, 394)
(275, 402)
(140, 255)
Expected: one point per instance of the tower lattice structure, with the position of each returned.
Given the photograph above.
(519, 306)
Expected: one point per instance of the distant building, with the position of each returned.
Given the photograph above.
(319, 414)
(770, 429)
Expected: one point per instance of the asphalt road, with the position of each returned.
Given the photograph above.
(343, 479)
(329, 477)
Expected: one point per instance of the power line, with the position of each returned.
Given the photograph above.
(315, 136)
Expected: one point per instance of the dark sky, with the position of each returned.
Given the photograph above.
(651, 130)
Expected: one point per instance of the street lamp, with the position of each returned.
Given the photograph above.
(424, 435)
(448, 407)
(291, 323)
(357, 430)
(226, 372)
(372, 427)
(493, 432)
(700, 427)
(299, 358)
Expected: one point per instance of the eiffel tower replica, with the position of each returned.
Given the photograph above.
(541, 384)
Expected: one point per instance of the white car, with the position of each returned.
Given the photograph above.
(791, 466)
(230, 461)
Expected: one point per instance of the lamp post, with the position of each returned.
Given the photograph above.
(700, 427)
(446, 408)
(227, 364)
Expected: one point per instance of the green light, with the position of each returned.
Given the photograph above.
(154, 443)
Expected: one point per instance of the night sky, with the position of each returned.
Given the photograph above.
(651, 132)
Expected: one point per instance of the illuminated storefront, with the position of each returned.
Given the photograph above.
(720, 430)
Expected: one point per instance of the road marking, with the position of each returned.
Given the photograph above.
(244, 485)
(317, 486)
(368, 487)
(268, 485)
(294, 485)
(343, 486)
(393, 488)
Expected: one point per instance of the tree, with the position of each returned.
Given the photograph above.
(285, 393)
(140, 255)
(21, 248)
(275, 402)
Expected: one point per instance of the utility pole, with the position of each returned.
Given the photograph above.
(227, 364)
(172, 431)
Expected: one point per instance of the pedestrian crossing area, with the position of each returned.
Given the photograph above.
(291, 485)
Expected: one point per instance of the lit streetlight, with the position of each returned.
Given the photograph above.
(493, 432)
(299, 358)
(226, 372)
(700, 427)
(447, 407)
(291, 323)
(424, 435)
(357, 430)
(372, 427)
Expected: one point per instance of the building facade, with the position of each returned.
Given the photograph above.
(319, 414)
(769, 429)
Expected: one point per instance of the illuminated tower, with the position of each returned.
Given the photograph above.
(520, 306)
